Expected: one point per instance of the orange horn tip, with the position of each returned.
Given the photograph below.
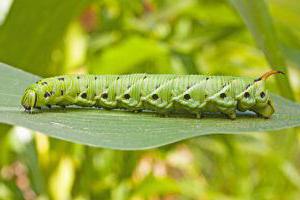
(268, 74)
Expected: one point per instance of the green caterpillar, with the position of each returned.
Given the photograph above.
(164, 94)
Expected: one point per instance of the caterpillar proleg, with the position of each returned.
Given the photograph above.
(163, 94)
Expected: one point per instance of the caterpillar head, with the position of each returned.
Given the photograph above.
(29, 99)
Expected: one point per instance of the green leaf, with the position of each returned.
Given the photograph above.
(33, 29)
(125, 130)
(129, 55)
(152, 185)
(258, 20)
(4, 155)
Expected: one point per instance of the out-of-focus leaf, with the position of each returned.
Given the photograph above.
(33, 29)
(29, 156)
(291, 173)
(156, 186)
(4, 128)
(292, 54)
(232, 58)
(4, 156)
(125, 130)
(286, 12)
(256, 16)
(75, 47)
(290, 44)
(131, 55)
(62, 179)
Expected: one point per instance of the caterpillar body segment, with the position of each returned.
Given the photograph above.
(161, 93)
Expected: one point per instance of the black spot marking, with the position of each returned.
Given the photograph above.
(188, 87)
(187, 97)
(49, 106)
(47, 94)
(223, 95)
(61, 79)
(84, 95)
(61, 92)
(258, 79)
(247, 86)
(207, 78)
(95, 77)
(155, 97)
(118, 77)
(205, 95)
(126, 96)
(87, 86)
(262, 94)
(246, 95)
(78, 77)
(44, 83)
(104, 95)
(144, 77)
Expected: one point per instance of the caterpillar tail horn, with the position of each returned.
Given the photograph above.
(266, 75)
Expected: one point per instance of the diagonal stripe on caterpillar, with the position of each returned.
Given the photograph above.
(194, 94)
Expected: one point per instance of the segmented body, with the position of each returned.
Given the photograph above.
(161, 93)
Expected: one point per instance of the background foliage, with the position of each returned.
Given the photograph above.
(123, 36)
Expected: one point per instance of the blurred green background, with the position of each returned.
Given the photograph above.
(51, 37)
